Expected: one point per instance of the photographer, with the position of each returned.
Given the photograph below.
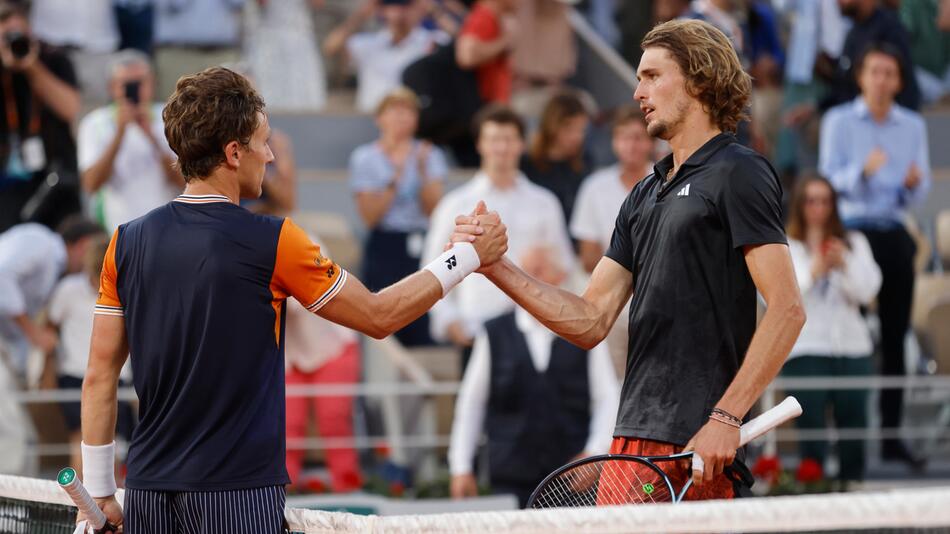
(124, 159)
(39, 99)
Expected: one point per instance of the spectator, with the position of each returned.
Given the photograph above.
(32, 259)
(634, 20)
(191, 35)
(397, 182)
(281, 49)
(124, 159)
(70, 315)
(874, 151)
(135, 20)
(599, 201)
(88, 30)
(837, 275)
(532, 215)
(380, 56)
(40, 101)
(542, 401)
(765, 59)
(928, 25)
(320, 352)
(544, 55)
(484, 44)
(872, 24)
(557, 159)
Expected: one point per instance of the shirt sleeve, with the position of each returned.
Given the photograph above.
(860, 279)
(437, 168)
(108, 302)
(835, 162)
(917, 195)
(364, 172)
(470, 409)
(621, 242)
(89, 146)
(302, 272)
(480, 24)
(57, 303)
(358, 46)
(584, 218)
(604, 399)
(752, 203)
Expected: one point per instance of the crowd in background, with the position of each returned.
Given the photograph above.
(838, 85)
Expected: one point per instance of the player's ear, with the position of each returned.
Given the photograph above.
(232, 153)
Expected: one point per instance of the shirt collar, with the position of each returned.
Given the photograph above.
(202, 199)
(861, 109)
(698, 158)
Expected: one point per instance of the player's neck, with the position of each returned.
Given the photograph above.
(216, 184)
(689, 139)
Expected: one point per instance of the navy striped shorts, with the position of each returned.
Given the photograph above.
(258, 510)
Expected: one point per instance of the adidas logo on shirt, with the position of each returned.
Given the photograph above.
(684, 192)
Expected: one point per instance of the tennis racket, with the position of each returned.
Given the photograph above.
(610, 479)
(77, 492)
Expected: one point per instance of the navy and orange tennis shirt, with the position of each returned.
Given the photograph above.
(202, 284)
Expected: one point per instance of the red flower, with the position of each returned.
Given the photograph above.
(809, 471)
(767, 468)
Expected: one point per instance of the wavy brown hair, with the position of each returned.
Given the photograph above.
(562, 107)
(713, 73)
(796, 220)
(207, 111)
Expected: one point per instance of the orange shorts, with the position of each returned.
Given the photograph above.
(647, 487)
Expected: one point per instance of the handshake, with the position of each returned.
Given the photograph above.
(485, 231)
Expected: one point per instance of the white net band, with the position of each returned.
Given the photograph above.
(917, 508)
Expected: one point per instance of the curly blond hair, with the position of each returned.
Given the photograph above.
(713, 73)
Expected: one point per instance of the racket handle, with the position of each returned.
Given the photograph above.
(77, 492)
(786, 410)
(768, 420)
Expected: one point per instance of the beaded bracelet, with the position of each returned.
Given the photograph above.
(727, 415)
(715, 416)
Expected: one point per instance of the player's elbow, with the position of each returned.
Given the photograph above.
(794, 313)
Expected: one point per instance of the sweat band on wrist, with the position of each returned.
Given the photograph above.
(98, 469)
(453, 265)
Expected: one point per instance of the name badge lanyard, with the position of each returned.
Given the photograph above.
(13, 114)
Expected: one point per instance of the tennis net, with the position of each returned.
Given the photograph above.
(39, 506)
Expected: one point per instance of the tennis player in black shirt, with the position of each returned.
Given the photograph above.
(693, 243)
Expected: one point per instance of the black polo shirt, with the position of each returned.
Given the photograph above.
(694, 302)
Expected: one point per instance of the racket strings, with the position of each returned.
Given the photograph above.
(602, 483)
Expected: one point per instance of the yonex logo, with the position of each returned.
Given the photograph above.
(451, 262)
(684, 192)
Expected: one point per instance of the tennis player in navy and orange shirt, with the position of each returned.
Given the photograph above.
(195, 293)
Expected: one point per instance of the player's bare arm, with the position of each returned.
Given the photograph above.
(584, 320)
(774, 277)
(107, 354)
(385, 312)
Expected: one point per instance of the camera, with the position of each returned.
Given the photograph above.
(19, 44)
(132, 91)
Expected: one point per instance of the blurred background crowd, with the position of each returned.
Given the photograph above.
(393, 116)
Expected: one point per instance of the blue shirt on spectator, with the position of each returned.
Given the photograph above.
(198, 22)
(372, 170)
(848, 135)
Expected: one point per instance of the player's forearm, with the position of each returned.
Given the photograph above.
(566, 314)
(770, 346)
(99, 397)
(407, 300)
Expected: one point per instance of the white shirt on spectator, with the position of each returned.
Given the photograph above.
(468, 424)
(835, 326)
(379, 63)
(138, 183)
(32, 258)
(533, 217)
(71, 308)
(597, 206)
(87, 24)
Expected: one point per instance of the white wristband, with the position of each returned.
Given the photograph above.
(98, 469)
(453, 265)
